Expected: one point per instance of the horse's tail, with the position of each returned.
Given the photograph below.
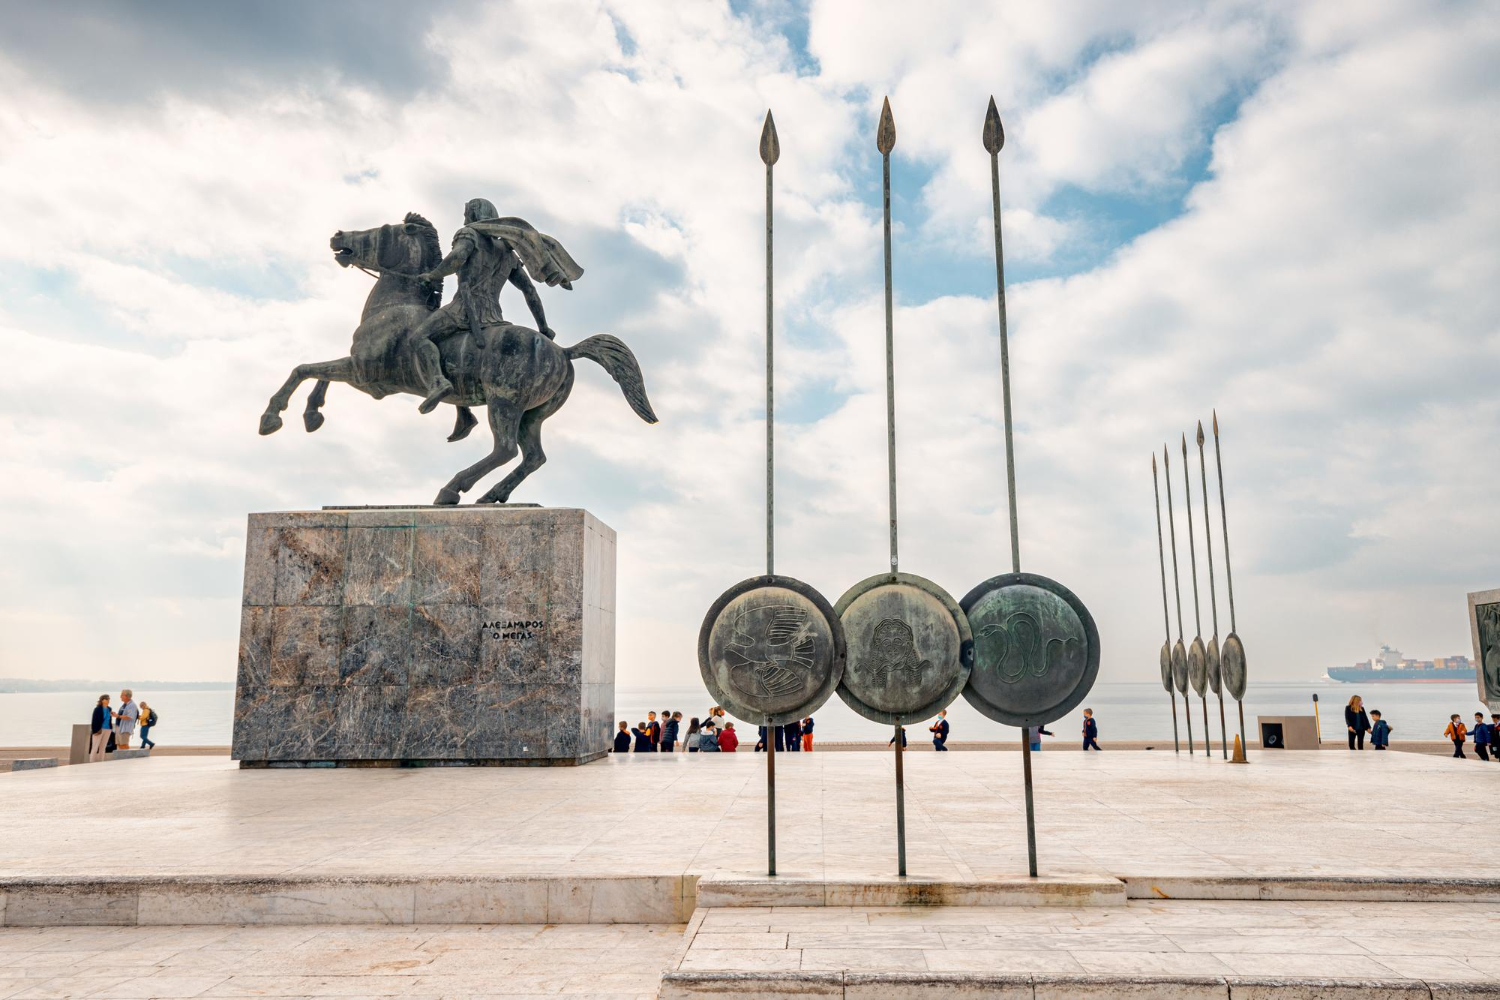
(614, 357)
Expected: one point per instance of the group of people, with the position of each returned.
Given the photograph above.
(712, 734)
(1486, 735)
(1359, 722)
(111, 728)
(716, 734)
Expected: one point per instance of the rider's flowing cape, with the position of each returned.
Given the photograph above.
(544, 257)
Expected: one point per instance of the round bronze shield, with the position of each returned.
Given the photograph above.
(1233, 658)
(1166, 666)
(1214, 665)
(1180, 667)
(1197, 665)
(771, 650)
(1036, 649)
(910, 649)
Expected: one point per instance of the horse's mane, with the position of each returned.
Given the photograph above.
(432, 253)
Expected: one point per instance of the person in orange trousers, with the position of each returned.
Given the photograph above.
(807, 731)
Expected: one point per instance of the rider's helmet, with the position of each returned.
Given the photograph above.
(479, 210)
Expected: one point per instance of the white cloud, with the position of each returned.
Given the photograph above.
(1328, 287)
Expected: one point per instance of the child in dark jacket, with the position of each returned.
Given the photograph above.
(642, 733)
(1495, 736)
(1481, 733)
(622, 739)
(1380, 731)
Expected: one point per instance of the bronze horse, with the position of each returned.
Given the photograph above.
(519, 375)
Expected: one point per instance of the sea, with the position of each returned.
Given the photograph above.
(1125, 711)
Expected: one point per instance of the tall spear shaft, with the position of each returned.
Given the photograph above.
(1166, 459)
(1228, 572)
(1213, 600)
(1187, 501)
(770, 152)
(1161, 560)
(885, 141)
(993, 137)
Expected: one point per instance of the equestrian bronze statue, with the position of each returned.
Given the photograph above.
(464, 353)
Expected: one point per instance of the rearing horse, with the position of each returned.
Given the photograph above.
(520, 376)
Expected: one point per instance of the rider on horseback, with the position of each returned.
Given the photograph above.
(487, 252)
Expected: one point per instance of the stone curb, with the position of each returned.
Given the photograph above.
(1341, 888)
(56, 901)
(733, 890)
(1009, 986)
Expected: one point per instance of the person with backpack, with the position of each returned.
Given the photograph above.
(1380, 731)
(729, 740)
(148, 719)
(100, 728)
(622, 738)
(708, 738)
(807, 733)
(1090, 731)
(642, 733)
(669, 730)
(694, 726)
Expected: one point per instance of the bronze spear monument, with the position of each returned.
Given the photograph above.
(771, 648)
(910, 648)
(1197, 654)
(1036, 648)
(1166, 647)
(1233, 654)
(1213, 663)
(1179, 651)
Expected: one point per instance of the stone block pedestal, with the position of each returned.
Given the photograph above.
(426, 636)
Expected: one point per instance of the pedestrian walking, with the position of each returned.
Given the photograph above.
(1481, 733)
(669, 731)
(1034, 736)
(1495, 736)
(1380, 731)
(100, 728)
(622, 739)
(792, 735)
(694, 727)
(1457, 733)
(125, 718)
(1090, 731)
(729, 740)
(900, 731)
(1357, 722)
(807, 733)
(760, 741)
(148, 719)
(939, 731)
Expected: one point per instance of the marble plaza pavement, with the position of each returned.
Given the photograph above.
(546, 881)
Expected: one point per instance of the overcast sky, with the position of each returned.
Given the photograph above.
(1288, 211)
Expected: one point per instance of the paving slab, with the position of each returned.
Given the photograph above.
(1143, 817)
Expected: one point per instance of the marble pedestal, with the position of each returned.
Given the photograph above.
(426, 636)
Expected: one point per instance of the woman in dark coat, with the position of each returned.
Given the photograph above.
(1357, 722)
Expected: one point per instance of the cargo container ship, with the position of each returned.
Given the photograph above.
(1390, 667)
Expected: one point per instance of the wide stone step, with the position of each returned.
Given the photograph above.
(734, 890)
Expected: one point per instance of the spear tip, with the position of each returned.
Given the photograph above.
(1184, 444)
(885, 134)
(1200, 434)
(770, 146)
(1153, 463)
(1166, 459)
(994, 132)
(1216, 423)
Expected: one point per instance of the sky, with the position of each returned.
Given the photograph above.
(1285, 211)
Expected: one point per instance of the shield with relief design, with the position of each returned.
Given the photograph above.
(910, 648)
(771, 650)
(1036, 649)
